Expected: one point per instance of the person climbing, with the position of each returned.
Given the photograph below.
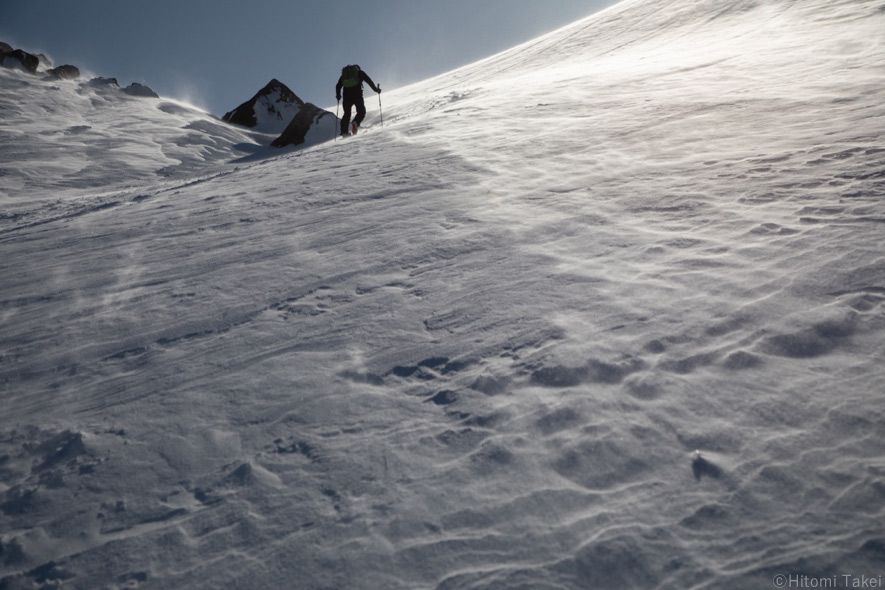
(351, 81)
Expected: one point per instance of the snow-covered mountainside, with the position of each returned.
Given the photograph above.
(64, 137)
(604, 311)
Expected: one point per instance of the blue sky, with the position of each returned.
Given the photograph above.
(218, 53)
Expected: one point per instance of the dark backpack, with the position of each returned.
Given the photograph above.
(350, 76)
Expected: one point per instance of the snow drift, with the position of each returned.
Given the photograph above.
(602, 311)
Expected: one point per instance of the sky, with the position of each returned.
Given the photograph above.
(216, 54)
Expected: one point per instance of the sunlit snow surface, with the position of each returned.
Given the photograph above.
(475, 348)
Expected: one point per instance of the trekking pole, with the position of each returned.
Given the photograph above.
(335, 124)
(380, 112)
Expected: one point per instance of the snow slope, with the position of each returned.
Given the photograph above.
(80, 137)
(477, 348)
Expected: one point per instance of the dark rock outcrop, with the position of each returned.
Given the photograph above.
(20, 59)
(136, 89)
(275, 105)
(102, 83)
(65, 72)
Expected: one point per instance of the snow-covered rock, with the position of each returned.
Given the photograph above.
(269, 111)
(136, 89)
(309, 126)
(22, 60)
(64, 72)
(102, 82)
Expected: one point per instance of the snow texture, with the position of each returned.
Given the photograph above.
(604, 311)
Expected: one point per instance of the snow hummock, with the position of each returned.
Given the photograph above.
(602, 311)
